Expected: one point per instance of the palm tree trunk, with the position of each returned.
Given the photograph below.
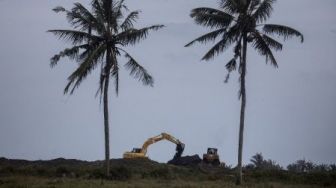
(242, 110)
(106, 114)
(106, 85)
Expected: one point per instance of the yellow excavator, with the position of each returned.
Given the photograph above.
(141, 152)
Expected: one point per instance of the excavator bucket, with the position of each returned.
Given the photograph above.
(179, 150)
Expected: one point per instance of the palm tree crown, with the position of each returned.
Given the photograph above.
(239, 18)
(103, 32)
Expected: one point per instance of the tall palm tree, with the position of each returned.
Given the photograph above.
(239, 22)
(98, 39)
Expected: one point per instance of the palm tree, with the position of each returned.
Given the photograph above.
(239, 22)
(257, 160)
(98, 38)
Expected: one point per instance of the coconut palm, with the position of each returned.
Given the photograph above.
(239, 23)
(258, 160)
(98, 39)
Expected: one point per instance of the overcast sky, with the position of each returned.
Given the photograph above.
(290, 114)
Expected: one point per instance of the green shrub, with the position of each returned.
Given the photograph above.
(62, 170)
(120, 173)
(214, 177)
(42, 171)
(97, 173)
(7, 170)
(162, 173)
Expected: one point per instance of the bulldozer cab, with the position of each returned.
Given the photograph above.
(211, 157)
(136, 150)
(212, 151)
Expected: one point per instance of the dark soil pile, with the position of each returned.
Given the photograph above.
(186, 160)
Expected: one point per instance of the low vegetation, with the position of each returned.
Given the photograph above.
(146, 173)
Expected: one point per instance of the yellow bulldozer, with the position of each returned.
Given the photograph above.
(211, 157)
(141, 152)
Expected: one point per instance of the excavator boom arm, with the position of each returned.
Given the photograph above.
(162, 136)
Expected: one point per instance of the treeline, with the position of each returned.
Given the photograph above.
(258, 162)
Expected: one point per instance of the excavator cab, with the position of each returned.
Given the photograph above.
(136, 150)
(211, 157)
(135, 153)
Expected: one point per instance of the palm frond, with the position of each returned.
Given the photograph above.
(133, 36)
(116, 14)
(81, 17)
(261, 46)
(277, 46)
(128, 22)
(76, 78)
(71, 53)
(117, 9)
(231, 65)
(281, 30)
(107, 8)
(231, 6)
(137, 71)
(217, 49)
(98, 11)
(264, 11)
(228, 38)
(253, 5)
(212, 18)
(59, 9)
(237, 48)
(207, 37)
(75, 37)
(122, 5)
(97, 7)
(87, 52)
(78, 16)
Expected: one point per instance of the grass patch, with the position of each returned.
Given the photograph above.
(40, 182)
(146, 173)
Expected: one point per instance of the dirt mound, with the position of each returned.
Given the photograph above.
(136, 163)
(53, 162)
(13, 162)
(186, 160)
